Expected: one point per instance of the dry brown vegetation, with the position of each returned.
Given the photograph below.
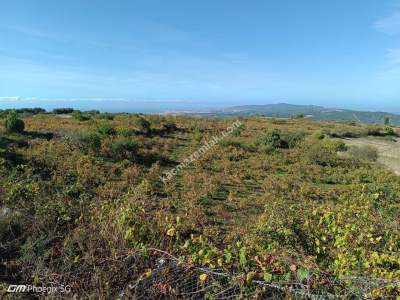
(82, 200)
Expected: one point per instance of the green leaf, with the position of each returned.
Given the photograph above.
(228, 257)
(267, 277)
(303, 274)
(250, 277)
(286, 277)
(242, 257)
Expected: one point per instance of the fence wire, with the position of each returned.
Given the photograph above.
(171, 278)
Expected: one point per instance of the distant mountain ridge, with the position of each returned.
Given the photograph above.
(284, 110)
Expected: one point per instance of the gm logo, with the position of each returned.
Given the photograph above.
(12, 288)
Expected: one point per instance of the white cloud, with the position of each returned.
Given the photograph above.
(96, 99)
(10, 98)
(390, 24)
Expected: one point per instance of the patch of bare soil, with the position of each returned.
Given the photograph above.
(388, 151)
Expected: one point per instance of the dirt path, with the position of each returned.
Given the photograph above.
(389, 152)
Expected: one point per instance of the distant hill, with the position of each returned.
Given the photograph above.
(284, 110)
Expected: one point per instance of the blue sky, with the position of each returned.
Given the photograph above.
(181, 54)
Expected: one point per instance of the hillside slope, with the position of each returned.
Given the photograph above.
(283, 110)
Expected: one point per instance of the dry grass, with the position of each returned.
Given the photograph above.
(89, 215)
(388, 151)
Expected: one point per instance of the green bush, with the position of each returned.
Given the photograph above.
(386, 121)
(105, 128)
(270, 139)
(59, 111)
(143, 126)
(292, 139)
(106, 116)
(334, 145)
(323, 154)
(125, 131)
(319, 135)
(374, 130)
(78, 115)
(31, 111)
(13, 123)
(91, 141)
(346, 132)
(366, 152)
(92, 112)
(348, 235)
(10, 230)
(120, 148)
(389, 131)
(238, 130)
(198, 136)
(274, 139)
(170, 127)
